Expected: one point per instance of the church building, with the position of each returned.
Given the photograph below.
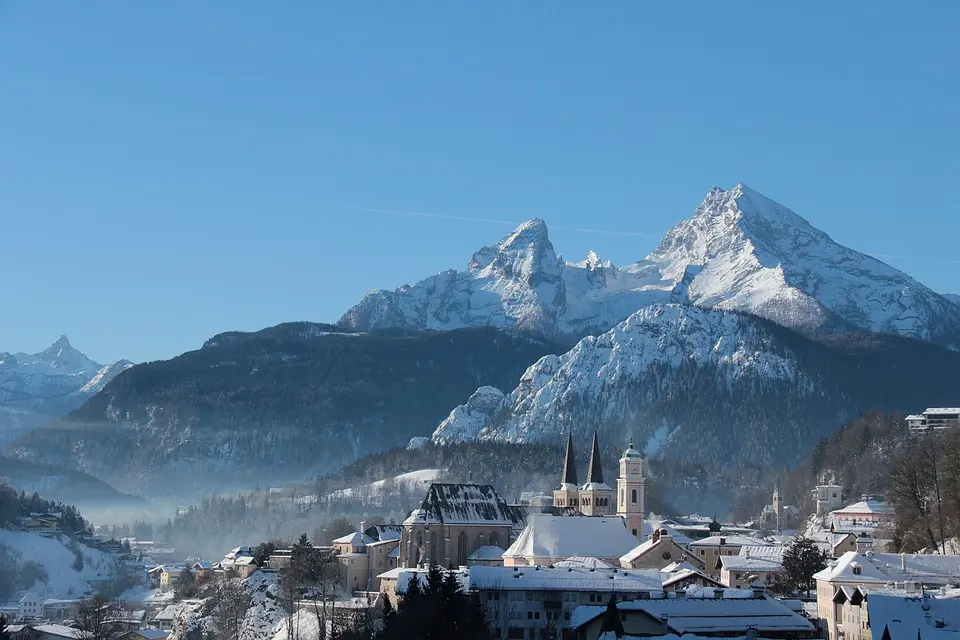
(595, 497)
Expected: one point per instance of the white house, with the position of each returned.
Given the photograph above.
(31, 605)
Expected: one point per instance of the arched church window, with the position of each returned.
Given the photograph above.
(633, 496)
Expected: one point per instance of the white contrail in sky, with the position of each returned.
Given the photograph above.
(512, 223)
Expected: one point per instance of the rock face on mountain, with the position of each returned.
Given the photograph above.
(740, 251)
(37, 386)
(519, 282)
(710, 386)
(751, 254)
(275, 405)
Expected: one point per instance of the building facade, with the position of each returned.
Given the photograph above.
(453, 521)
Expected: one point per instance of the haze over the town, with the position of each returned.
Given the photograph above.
(177, 170)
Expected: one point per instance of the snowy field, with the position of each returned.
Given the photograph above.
(57, 560)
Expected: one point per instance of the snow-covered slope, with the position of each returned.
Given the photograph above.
(739, 251)
(62, 579)
(952, 297)
(34, 386)
(702, 385)
(519, 282)
(751, 254)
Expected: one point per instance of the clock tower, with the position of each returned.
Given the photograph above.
(630, 487)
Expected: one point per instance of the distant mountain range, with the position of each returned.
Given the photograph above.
(280, 404)
(743, 338)
(35, 387)
(740, 251)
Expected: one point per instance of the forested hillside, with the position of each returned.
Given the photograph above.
(284, 403)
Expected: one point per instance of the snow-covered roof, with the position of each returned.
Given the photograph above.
(395, 553)
(476, 504)
(556, 537)
(748, 563)
(564, 579)
(167, 613)
(583, 562)
(596, 486)
(153, 634)
(680, 565)
(245, 560)
(768, 552)
(914, 617)
(728, 541)
(357, 539)
(882, 568)
(713, 616)
(30, 596)
(385, 532)
(672, 577)
(865, 507)
(488, 552)
(60, 631)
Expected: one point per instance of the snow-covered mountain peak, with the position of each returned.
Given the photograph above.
(739, 251)
(53, 380)
(63, 356)
(753, 254)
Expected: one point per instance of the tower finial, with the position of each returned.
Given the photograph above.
(595, 473)
(569, 464)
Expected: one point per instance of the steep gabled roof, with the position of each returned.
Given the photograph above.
(463, 504)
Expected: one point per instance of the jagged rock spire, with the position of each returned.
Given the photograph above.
(569, 464)
(595, 474)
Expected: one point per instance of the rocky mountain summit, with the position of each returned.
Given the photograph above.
(34, 387)
(740, 251)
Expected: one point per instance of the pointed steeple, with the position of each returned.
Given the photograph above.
(569, 464)
(595, 474)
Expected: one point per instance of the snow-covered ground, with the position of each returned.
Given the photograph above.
(149, 596)
(56, 558)
(409, 480)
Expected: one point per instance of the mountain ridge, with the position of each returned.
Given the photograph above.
(707, 386)
(740, 251)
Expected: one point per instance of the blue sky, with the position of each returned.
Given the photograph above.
(176, 169)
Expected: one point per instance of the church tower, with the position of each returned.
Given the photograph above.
(596, 496)
(567, 493)
(630, 489)
(777, 503)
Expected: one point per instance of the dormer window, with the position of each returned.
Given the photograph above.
(856, 570)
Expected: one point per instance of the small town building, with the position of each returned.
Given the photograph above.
(31, 606)
(913, 572)
(699, 613)
(658, 552)
(828, 497)
(169, 576)
(453, 521)
(933, 419)
(548, 539)
(526, 601)
(710, 550)
(867, 513)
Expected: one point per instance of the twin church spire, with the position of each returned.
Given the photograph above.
(594, 471)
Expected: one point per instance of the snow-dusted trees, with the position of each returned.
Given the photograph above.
(231, 600)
